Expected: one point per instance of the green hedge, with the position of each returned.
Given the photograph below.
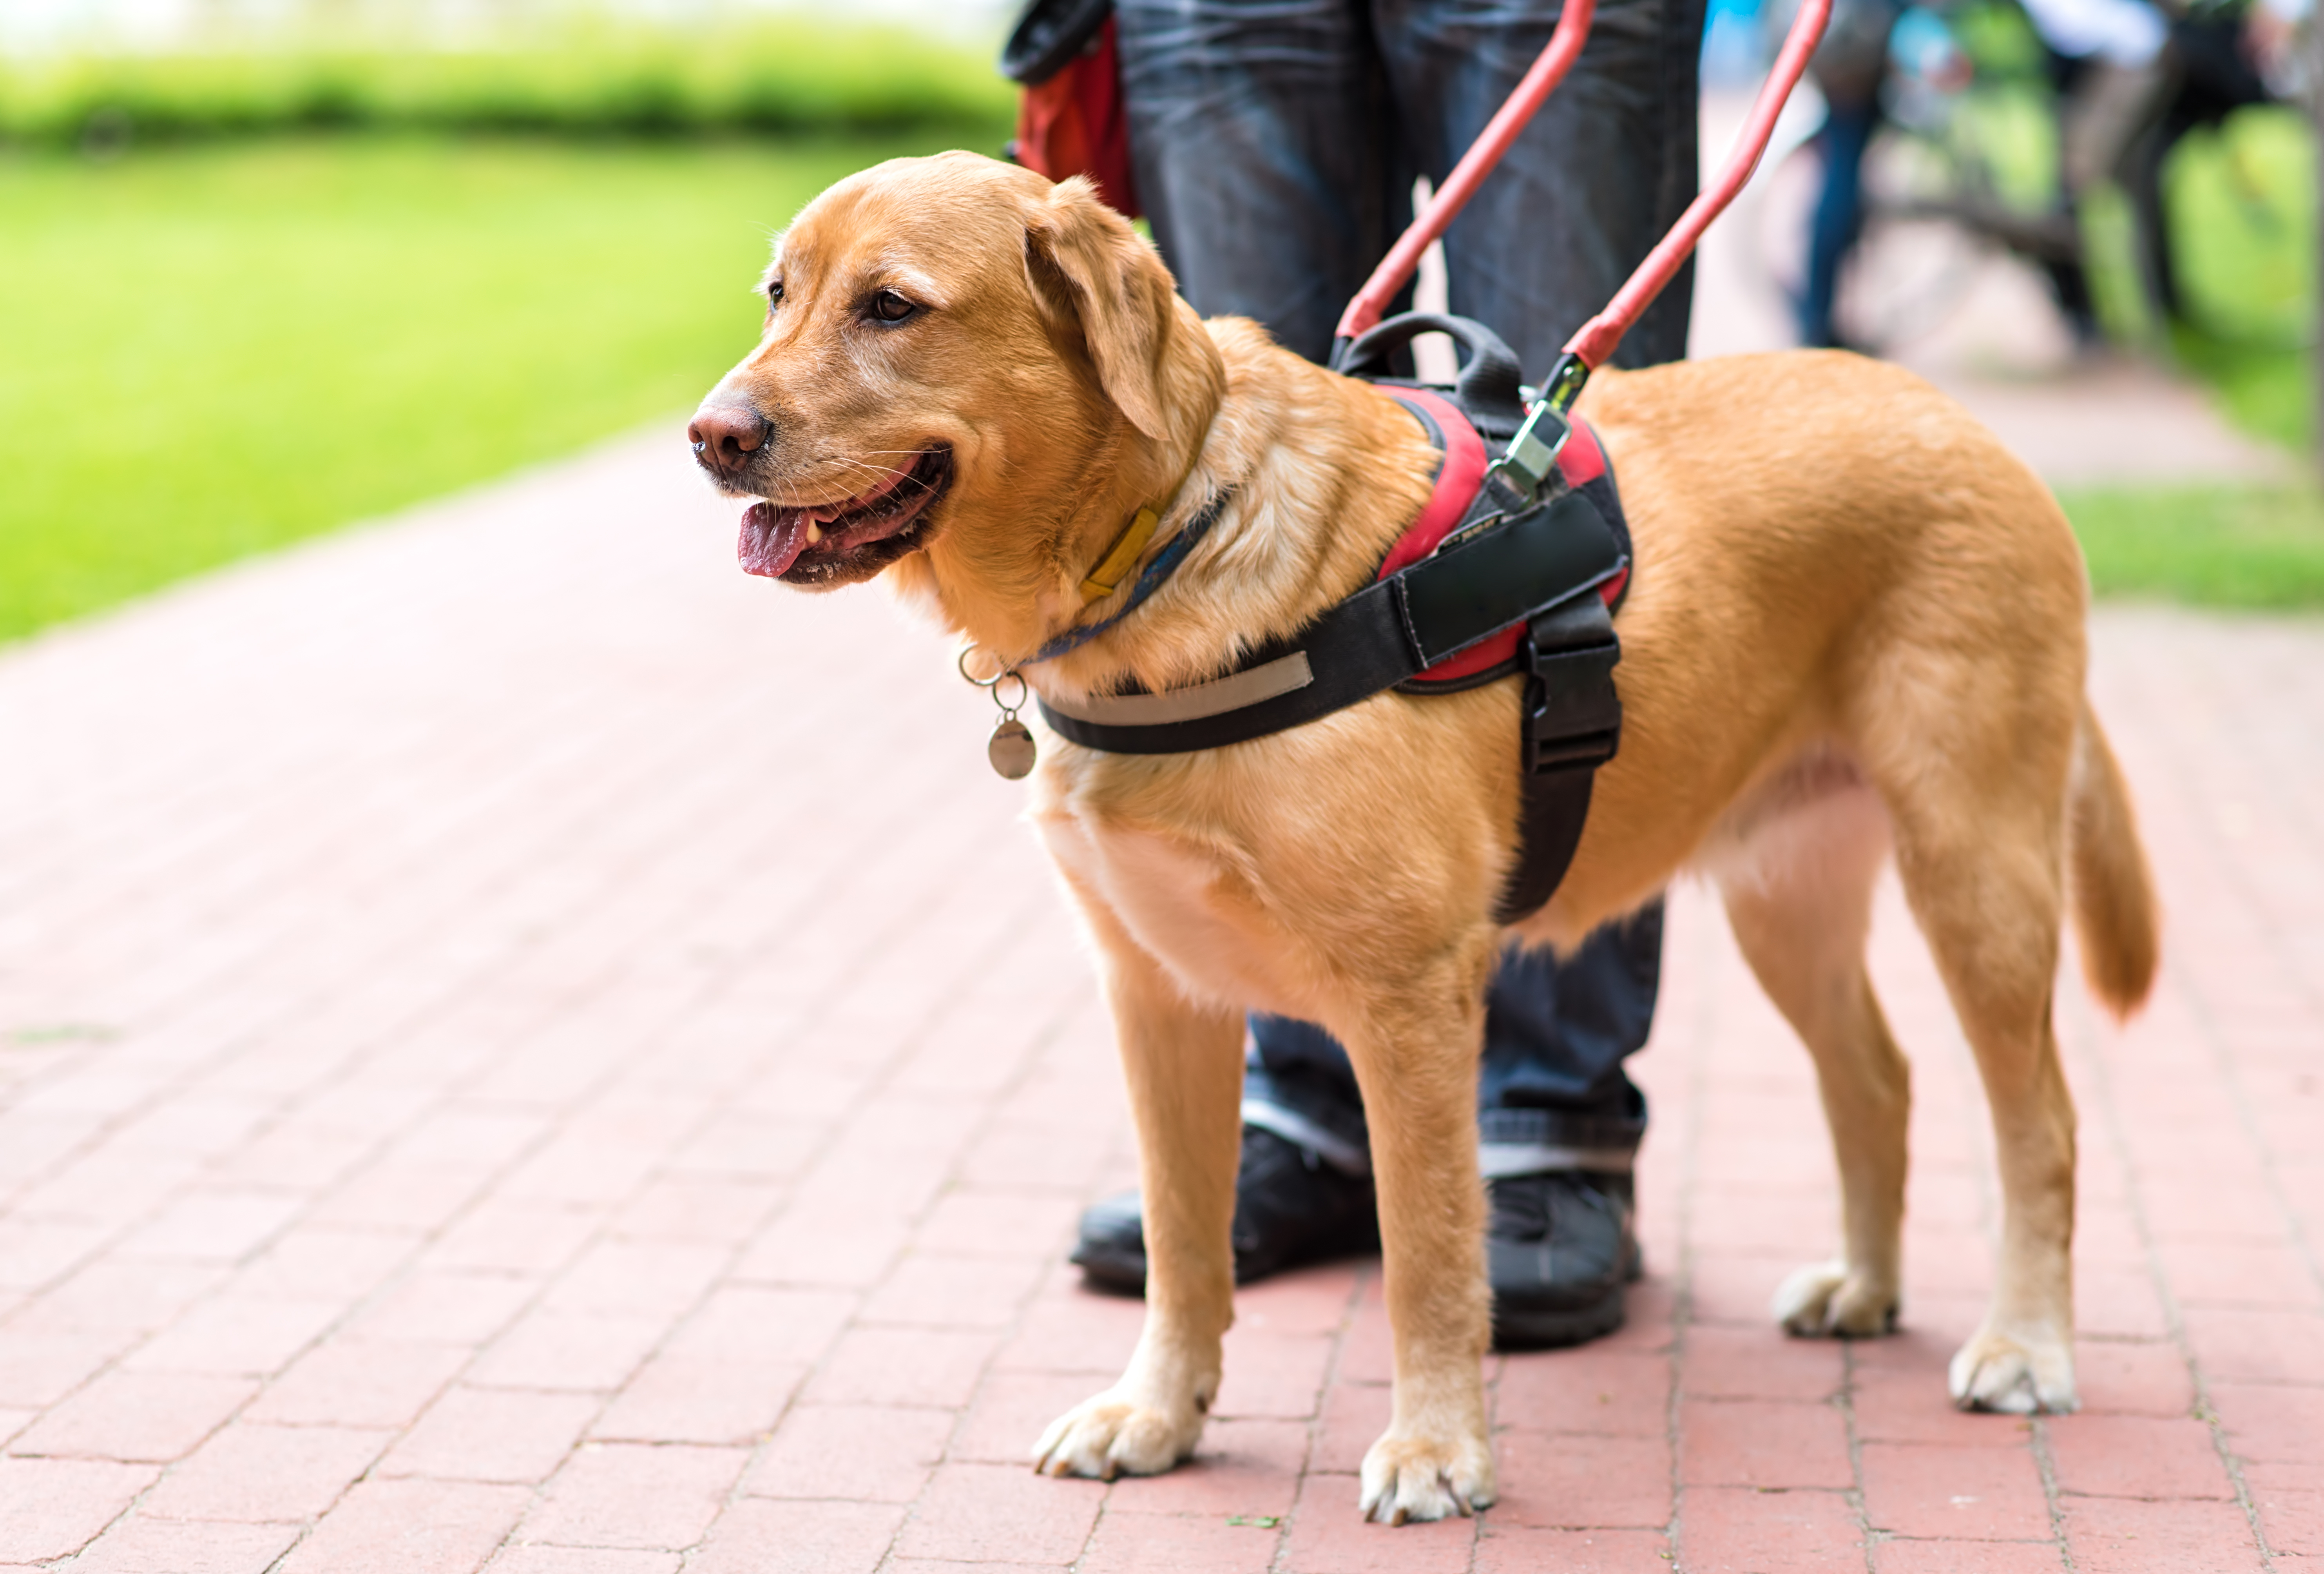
(759, 77)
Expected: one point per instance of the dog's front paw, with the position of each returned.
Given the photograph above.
(2016, 1376)
(1827, 1299)
(1409, 1477)
(1114, 1434)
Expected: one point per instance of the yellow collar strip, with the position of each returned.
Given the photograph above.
(1130, 545)
(1106, 578)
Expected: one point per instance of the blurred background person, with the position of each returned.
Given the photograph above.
(2128, 80)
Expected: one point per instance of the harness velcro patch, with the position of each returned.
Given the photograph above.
(1496, 581)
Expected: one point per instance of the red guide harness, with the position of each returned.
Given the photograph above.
(1459, 476)
(1497, 576)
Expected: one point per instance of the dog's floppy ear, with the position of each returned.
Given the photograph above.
(1086, 264)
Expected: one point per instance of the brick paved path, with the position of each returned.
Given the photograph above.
(522, 1047)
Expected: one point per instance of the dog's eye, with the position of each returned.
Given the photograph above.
(890, 307)
(774, 294)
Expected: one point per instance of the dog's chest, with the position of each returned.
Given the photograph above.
(1193, 907)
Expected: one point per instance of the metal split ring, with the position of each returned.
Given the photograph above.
(962, 662)
(993, 684)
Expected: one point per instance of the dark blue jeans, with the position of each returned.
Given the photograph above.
(1275, 142)
(1839, 215)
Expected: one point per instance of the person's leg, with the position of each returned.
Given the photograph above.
(2142, 183)
(1604, 170)
(1553, 1093)
(1601, 174)
(2068, 280)
(1265, 155)
(1559, 1127)
(1267, 164)
(1583, 194)
(1838, 219)
(1235, 112)
(1298, 1083)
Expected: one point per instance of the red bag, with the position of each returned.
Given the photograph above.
(1072, 122)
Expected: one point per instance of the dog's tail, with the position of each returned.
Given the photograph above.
(2113, 891)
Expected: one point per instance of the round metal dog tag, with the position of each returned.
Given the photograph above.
(1010, 749)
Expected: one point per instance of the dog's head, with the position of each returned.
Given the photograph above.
(959, 358)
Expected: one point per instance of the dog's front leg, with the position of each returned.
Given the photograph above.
(1183, 1065)
(1415, 1058)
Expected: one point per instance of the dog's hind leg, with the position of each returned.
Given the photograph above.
(1415, 1046)
(1183, 1065)
(1799, 898)
(1980, 843)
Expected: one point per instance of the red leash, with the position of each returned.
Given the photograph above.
(1588, 349)
(1557, 58)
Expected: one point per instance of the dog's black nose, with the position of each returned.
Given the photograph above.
(725, 436)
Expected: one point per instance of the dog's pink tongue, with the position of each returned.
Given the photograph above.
(772, 539)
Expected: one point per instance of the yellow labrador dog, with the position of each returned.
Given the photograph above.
(1857, 627)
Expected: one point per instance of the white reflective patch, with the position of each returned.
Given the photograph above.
(1216, 698)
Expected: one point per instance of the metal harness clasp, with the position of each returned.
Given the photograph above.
(1531, 456)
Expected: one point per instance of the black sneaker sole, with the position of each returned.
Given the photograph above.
(1124, 1273)
(1114, 1273)
(1117, 1273)
(1516, 1327)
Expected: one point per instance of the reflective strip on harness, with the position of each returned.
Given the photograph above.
(1390, 632)
(1195, 702)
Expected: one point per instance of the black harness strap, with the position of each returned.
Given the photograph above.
(1572, 725)
(1391, 631)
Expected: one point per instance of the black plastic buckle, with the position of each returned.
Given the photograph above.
(1573, 715)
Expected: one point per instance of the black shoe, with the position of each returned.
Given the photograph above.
(1560, 1250)
(1291, 1208)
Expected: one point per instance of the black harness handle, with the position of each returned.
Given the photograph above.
(1490, 388)
(1048, 35)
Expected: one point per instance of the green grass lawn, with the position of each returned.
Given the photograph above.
(210, 351)
(2215, 546)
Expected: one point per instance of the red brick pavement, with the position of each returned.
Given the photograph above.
(522, 1048)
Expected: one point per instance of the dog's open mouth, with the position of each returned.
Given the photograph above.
(851, 536)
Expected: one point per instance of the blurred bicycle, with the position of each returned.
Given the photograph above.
(2151, 167)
